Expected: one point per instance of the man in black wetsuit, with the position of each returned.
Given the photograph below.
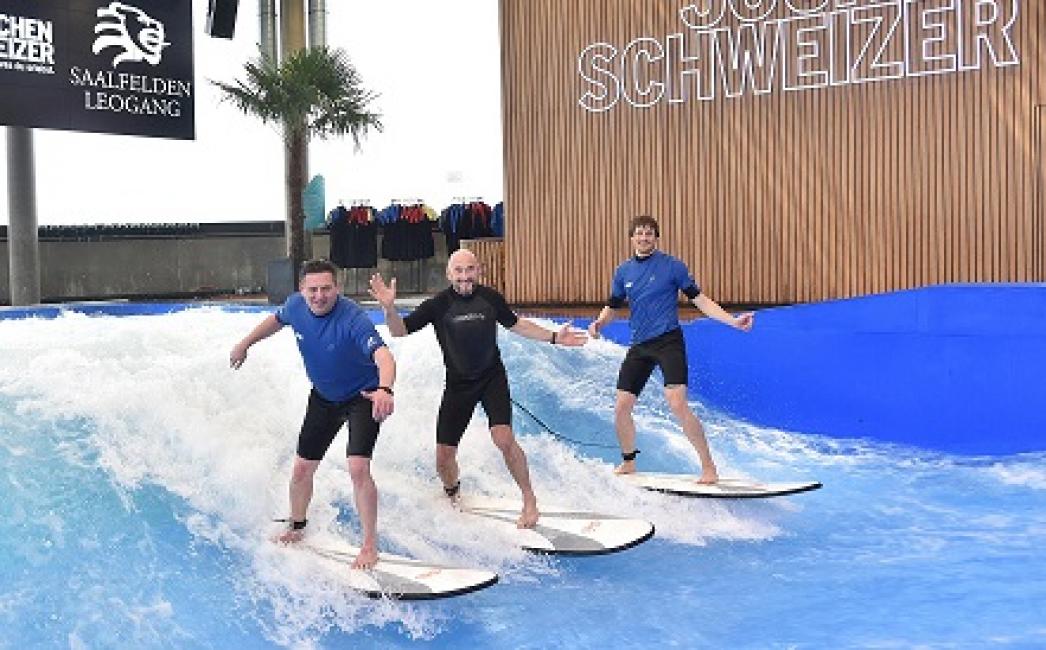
(465, 317)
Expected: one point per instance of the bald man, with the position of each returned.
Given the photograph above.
(465, 317)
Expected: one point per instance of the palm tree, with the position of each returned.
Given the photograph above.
(315, 92)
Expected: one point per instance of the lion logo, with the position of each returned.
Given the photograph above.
(138, 36)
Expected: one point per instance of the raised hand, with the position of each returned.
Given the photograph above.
(384, 294)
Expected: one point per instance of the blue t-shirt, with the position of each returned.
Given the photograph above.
(651, 286)
(337, 348)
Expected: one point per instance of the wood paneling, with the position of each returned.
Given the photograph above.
(773, 198)
(491, 256)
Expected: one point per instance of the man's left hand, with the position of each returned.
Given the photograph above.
(381, 403)
(745, 321)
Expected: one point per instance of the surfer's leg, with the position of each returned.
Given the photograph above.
(447, 469)
(671, 357)
(497, 404)
(516, 462)
(625, 426)
(300, 491)
(455, 411)
(631, 378)
(322, 421)
(365, 493)
(695, 433)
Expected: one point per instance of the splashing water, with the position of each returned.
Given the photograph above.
(141, 475)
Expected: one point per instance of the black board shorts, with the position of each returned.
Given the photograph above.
(323, 420)
(667, 350)
(460, 398)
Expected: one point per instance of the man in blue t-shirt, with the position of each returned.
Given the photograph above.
(352, 372)
(650, 283)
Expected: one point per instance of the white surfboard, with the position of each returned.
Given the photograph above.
(398, 577)
(726, 488)
(562, 531)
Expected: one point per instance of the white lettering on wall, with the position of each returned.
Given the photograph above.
(818, 44)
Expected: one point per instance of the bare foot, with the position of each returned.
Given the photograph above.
(709, 476)
(289, 536)
(367, 558)
(454, 494)
(626, 467)
(528, 518)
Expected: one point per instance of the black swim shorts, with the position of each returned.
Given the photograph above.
(460, 398)
(667, 350)
(323, 419)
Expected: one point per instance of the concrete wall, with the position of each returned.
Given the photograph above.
(76, 270)
(130, 267)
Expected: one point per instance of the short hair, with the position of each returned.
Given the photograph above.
(318, 266)
(643, 221)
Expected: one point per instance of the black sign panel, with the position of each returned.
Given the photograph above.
(104, 66)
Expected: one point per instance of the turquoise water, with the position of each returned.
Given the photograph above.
(139, 476)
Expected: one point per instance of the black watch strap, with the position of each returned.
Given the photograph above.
(387, 389)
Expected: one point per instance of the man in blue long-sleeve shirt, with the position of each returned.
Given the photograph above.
(650, 282)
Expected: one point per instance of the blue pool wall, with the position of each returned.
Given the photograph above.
(954, 368)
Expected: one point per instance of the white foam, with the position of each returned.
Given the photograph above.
(1024, 474)
(166, 410)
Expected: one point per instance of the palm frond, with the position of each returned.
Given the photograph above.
(316, 87)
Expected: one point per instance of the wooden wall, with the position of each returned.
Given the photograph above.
(491, 256)
(789, 196)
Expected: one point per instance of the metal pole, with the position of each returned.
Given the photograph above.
(23, 244)
(317, 23)
(292, 39)
(267, 29)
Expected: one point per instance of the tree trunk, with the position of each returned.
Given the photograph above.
(297, 149)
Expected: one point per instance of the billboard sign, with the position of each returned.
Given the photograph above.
(102, 66)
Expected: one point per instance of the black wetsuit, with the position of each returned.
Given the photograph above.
(466, 328)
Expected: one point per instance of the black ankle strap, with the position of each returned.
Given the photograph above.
(293, 525)
(629, 456)
(453, 490)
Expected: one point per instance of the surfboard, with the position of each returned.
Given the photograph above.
(397, 577)
(727, 488)
(562, 531)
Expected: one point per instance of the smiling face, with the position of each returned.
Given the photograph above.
(644, 240)
(320, 291)
(463, 272)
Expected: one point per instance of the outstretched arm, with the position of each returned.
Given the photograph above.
(386, 297)
(712, 309)
(565, 335)
(606, 316)
(263, 330)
